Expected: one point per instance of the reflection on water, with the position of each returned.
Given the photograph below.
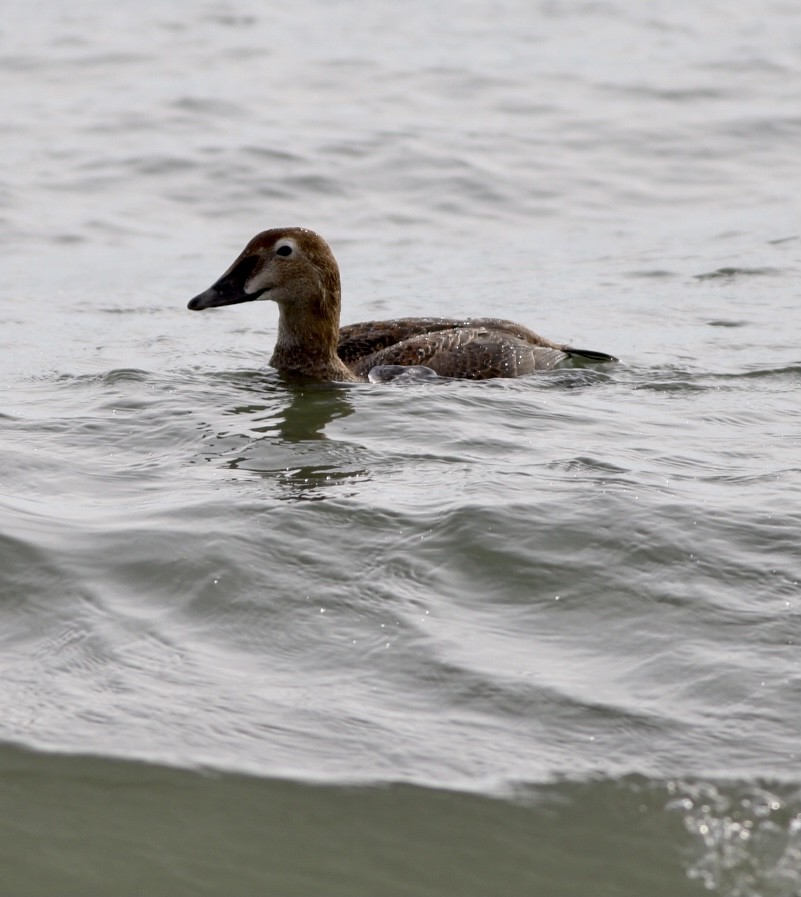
(311, 408)
(293, 451)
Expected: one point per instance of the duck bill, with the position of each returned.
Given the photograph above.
(214, 297)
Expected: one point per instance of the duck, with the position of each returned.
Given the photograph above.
(295, 267)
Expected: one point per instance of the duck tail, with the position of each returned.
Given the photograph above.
(589, 354)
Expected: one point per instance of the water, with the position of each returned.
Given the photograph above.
(536, 636)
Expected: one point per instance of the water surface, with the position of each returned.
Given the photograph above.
(262, 636)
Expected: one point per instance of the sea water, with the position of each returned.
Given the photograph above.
(510, 637)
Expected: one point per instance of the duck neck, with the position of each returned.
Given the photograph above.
(308, 335)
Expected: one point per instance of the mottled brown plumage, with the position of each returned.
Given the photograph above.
(297, 269)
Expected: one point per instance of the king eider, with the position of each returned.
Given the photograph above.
(295, 267)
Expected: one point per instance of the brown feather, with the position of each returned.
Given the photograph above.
(297, 269)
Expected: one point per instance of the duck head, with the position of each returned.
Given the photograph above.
(292, 266)
(296, 269)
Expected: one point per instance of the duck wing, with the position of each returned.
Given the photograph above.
(468, 353)
(357, 341)
(472, 348)
(360, 340)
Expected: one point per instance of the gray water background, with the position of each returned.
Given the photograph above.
(538, 636)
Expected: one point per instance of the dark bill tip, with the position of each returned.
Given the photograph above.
(197, 304)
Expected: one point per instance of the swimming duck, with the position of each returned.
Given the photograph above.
(295, 267)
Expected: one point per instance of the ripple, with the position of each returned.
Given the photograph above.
(730, 273)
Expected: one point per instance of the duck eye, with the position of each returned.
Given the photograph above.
(284, 250)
